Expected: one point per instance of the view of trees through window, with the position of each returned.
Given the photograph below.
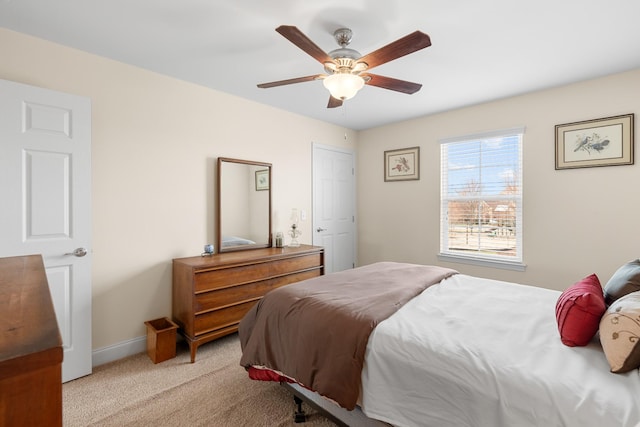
(481, 197)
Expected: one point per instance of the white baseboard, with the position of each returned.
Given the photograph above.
(117, 351)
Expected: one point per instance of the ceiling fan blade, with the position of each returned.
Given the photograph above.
(290, 81)
(334, 102)
(392, 84)
(399, 48)
(297, 37)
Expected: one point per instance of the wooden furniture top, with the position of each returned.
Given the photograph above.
(249, 256)
(28, 324)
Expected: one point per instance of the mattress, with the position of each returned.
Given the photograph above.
(478, 352)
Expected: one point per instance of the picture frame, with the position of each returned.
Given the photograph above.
(599, 142)
(262, 180)
(402, 164)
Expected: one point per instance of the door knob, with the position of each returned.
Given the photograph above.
(319, 230)
(80, 252)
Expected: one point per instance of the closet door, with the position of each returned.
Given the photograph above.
(45, 186)
(334, 206)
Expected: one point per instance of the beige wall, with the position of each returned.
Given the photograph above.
(576, 222)
(155, 140)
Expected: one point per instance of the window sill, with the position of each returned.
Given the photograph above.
(483, 262)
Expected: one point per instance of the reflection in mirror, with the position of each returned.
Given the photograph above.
(244, 205)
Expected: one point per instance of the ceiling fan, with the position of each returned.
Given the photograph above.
(347, 70)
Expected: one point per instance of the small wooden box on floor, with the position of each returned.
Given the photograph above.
(161, 339)
(211, 294)
(30, 346)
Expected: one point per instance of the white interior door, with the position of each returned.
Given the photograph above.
(45, 188)
(334, 206)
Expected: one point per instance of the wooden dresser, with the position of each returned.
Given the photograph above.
(211, 294)
(30, 346)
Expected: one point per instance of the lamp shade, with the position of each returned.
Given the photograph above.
(343, 85)
(295, 217)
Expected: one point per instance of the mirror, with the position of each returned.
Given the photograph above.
(243, 218)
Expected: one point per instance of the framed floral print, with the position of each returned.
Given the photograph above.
(402, 164)
(262, 180)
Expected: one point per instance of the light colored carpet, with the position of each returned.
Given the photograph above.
(213, 391)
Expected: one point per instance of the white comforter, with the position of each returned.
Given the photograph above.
(477, 352)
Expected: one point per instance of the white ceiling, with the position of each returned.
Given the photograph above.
(481, 49)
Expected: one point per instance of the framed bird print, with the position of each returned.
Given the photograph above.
(402, 165)
(598, 142)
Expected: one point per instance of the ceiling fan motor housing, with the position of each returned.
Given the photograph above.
(342, 64)
(344, 58)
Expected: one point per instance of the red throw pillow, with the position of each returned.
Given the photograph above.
(578, 311)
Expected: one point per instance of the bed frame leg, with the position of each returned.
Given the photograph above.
(299, 416)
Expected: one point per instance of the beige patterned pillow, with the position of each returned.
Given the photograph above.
(620, 333)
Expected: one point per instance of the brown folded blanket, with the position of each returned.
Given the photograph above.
(316, 331)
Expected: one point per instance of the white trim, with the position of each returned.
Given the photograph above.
(333, 148)
(483, 262)
(118, 351)
(484, 135)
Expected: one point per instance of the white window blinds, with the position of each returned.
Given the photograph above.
(481, 197)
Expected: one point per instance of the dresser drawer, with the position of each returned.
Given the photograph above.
(294, 264)
(221, 318)
(231, 295)
(212, 279)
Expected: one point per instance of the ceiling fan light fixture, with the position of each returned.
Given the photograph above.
(343, 86)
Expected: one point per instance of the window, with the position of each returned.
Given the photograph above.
(481, 199)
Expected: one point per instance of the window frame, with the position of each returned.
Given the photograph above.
(487, 260)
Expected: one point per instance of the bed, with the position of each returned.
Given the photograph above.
(462, 351)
